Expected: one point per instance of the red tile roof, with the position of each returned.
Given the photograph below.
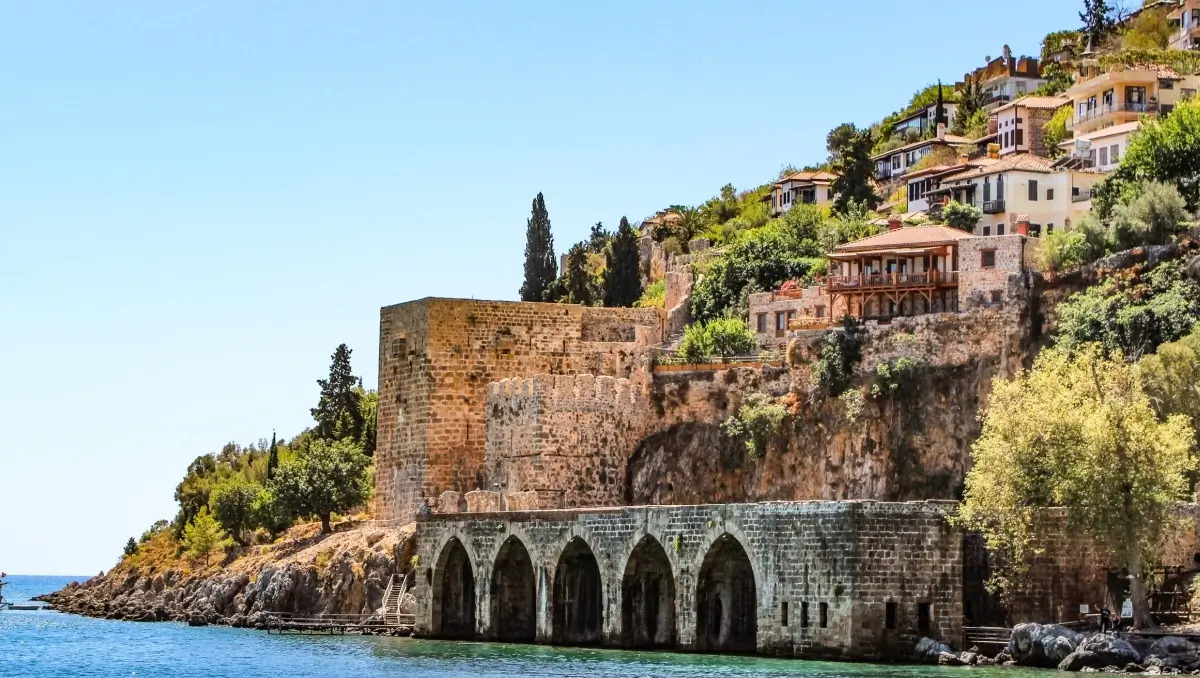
(908, 236)
(819, 177)
(1023, 162)
(1052, 103)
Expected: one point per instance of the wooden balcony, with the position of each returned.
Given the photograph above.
(886, 282)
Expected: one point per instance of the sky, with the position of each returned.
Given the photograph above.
(200, 201)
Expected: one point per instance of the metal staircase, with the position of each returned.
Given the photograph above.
(393, 596)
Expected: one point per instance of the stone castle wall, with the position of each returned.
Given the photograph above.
(437, 357)
(823, 575)
(979, 285)
(564, 437)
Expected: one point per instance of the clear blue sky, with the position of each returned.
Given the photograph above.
(199, 201)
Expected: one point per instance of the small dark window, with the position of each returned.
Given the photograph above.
(996, 297)
(1049, 193)
(824, 612)
(999, 229)
(987, 259)
(889, 618)
(780, 320)
(821, 311)
(762, 323)
(1049, 229)
(1020, 136)
(783, 617)
(987, 230)
(924, 618)
(804, 615)
(1033, 190)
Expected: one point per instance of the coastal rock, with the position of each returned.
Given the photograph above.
(1045, 645)
(1101, 651)
(929, 651)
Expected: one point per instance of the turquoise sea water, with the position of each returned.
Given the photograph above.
(38, 644)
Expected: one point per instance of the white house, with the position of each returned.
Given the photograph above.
(1102, 149)
(809, 188)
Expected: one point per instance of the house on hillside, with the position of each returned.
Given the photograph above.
(1104, 97)
(905, 271)
(1101, 150)
(1005, 79)
(807, 188)
(921, 121)
(896, 163)
(1021, 124)
(1185, 23)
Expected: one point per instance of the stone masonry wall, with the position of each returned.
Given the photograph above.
(438, 355)
(835, 566)
(564, 437)
(977, 284)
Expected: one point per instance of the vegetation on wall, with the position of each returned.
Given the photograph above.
(1077, 432)
(723, 338)
(840, 352)
(756, 421)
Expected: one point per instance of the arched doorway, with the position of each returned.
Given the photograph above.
(514, 616)
(454, 614)
(726, 600)
(577, 596)
(648, 598)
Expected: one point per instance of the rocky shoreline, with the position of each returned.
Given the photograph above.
(1054, 646)
(345, 573)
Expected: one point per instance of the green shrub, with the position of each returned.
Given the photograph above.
(760, 259)
(961, 216)
(755, 423)
(725, 337)
(895, 378)
(1064, 249)
(696, 346)
(653, 296)
(852, 399)
(840, 352)
(1153, 215)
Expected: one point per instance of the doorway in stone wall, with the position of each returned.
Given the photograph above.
(577, 596)
(454, 593)
(513, 592)
(648, 598)
(726, 600)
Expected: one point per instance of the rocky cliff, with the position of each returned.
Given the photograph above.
(304, 573)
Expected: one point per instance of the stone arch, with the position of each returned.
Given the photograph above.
(726, 599)
(454, 592)
(513, 594)
(578, 606)
(648, 598)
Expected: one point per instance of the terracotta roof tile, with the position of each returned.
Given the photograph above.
(906, 237)
(1025, 162)
(1051, 103)
(816, 177)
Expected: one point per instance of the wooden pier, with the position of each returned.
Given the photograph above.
(339, 624)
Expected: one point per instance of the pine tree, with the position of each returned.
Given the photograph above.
(939, 112)
(272, 457)
(337, 412)
(622, 279)
(579, 280)
(131, 547)
(599, 238)
(1098, 22)
(854, 185)
(203, 536)
(540, 266)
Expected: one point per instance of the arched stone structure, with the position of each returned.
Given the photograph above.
(726, 599)
(513, 594)
(578, 596)
(648, 598)
(454, 593)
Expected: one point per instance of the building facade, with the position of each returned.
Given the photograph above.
(1021, 125)
(802, 188)
(1106, 97)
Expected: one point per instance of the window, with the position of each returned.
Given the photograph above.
(1108, 98)
(1049, 193)
(1186, 93)
(1033, 190)
(804, 615)
(999, 229)
(987, 258)
(987, 230)
(924, 618)
(780, 321)
(889, 618)
(1114, 153)
(1049, 228)
(791, 315)
(1135, 96)
(1166, 83)
(896, 161)
(1104, 155)
(996, 296)
(821, 311)
(1020, 136)
(824, 612)
(783, 620)
(829, 194)
(762, 323)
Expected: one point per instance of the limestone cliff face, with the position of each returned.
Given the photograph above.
(343, 573)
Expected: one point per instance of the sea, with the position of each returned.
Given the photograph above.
(47, 643)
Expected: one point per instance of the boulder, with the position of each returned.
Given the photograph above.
(1045, 645)
(1171, 645)
(949, 659)
(929, 651)
(970, 658)
(1112, 651)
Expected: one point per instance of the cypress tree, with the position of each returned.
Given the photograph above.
(622, 279)
(855, 170)
(540, 266)
(939, 112)
(337, 412)
(272, 457)
(579, 280)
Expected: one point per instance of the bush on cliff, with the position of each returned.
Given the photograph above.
(203, 536)
(1165, 149)
(756, 421)
(1172, 378)
(232, 504)
(840, 352)
(1083, 244)
(1078, 432)
(725, 338)
(329, 477)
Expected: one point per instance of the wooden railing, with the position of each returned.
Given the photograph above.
(869, 281)
(990, 637)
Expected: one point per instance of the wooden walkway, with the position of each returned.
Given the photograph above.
(338, 624)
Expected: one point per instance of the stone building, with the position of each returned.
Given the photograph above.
(436, 359)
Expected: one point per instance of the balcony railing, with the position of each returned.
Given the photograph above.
(874, 281)
(993, 206)
(1109, 109)
(997, 99)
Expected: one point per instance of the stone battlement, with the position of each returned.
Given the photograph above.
(562, 392)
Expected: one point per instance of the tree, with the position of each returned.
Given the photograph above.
(1172, 378)
(368, 407)
(598, 238)
(939, 111)
(232, 503)
(730, 337)
(269, 513)
(1164, 149)
(338, 411)
(1148, 30)
(1056, 131)
(971, 104)
(1077, 433)
(579, 285)
(837, 140)
(622, 279)
(203, 536)
(840, 352)
(131, 547)
(960, 216)
(1099, 22)
(541, 267)
(331, 476)
(272, 457)
(1154, 215)
(856, 171)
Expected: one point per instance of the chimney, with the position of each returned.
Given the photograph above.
(1023, 227)
(941, 131)
(993, 125)
(993, 151)
(895, 224)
